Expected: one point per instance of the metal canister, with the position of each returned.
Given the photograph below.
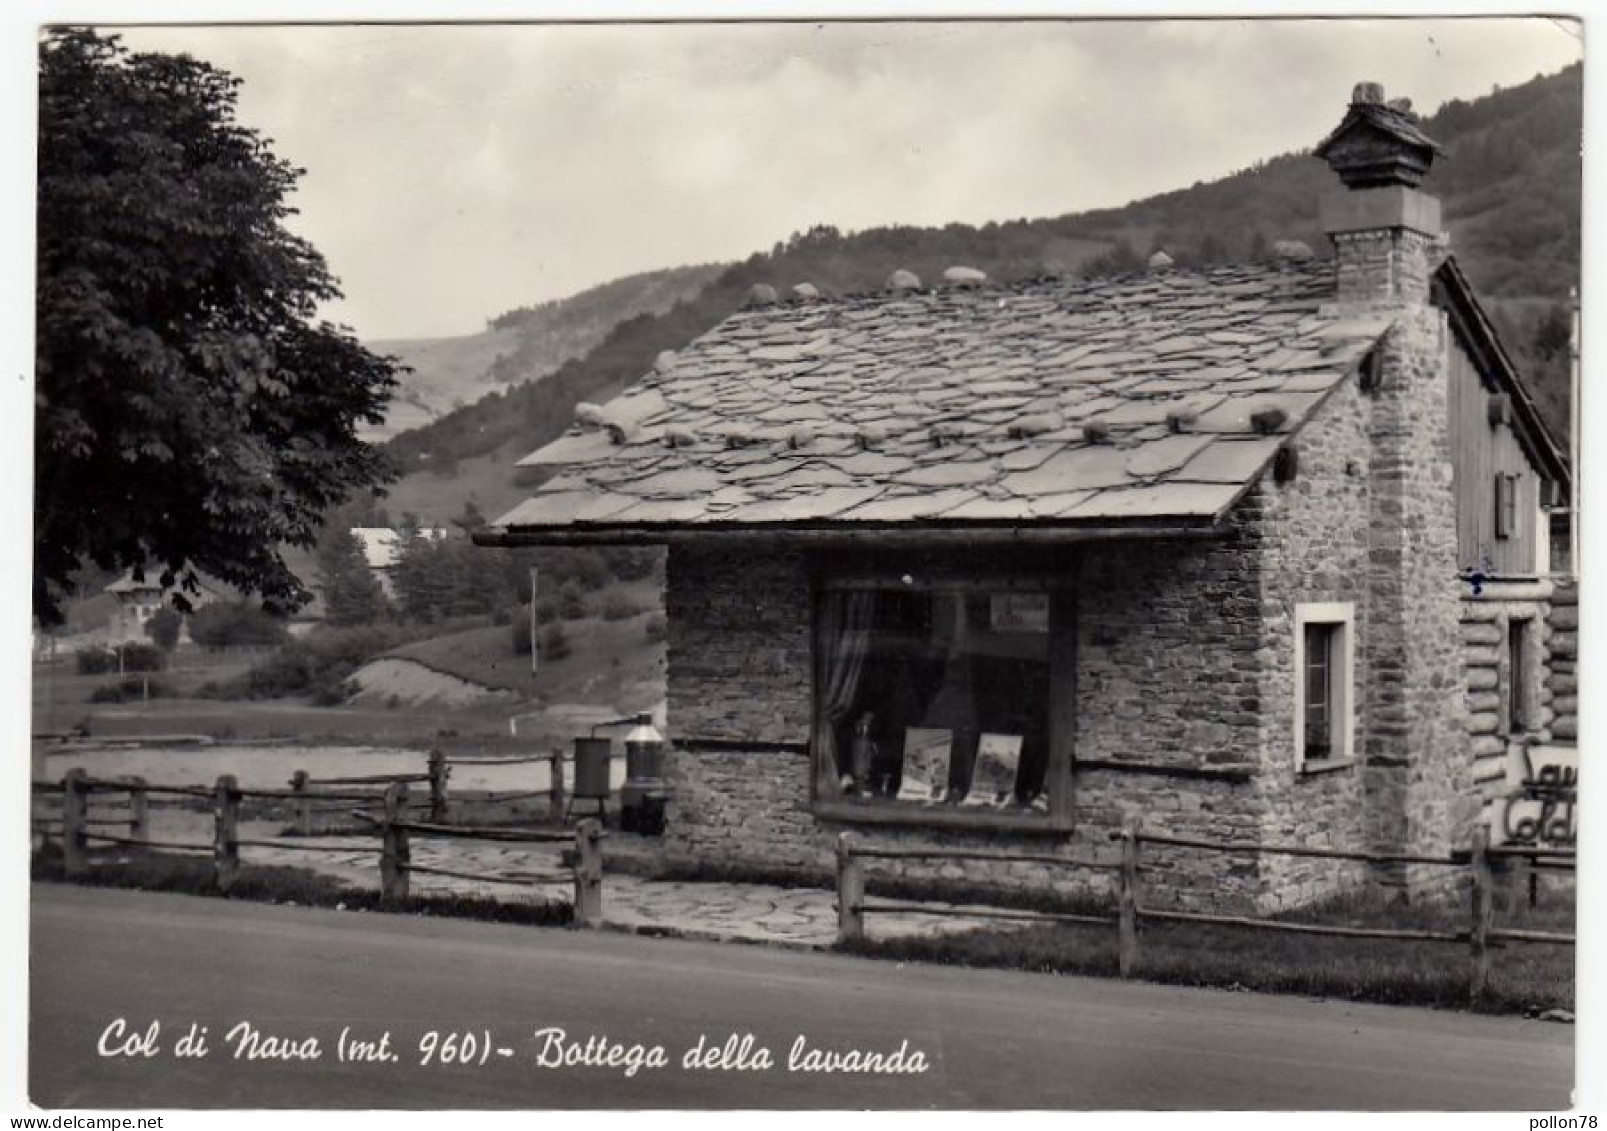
(642, 798)
(592, 757)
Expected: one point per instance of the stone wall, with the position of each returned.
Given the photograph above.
(1315, 550)
(739, 642)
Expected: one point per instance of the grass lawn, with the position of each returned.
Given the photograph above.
(1525, 978)
(610, 662)
(191, 875)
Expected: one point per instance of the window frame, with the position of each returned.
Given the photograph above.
(1506, 505)
(1517, 703)
(1342, 684)
(1060, 710)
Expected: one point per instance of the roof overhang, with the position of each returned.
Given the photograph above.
(1476, 332)
(891, 534)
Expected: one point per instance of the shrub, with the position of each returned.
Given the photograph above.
(131, 688)
(546, 611)
(571, 601)
(617, 605)
(657, 628)
(234, 624)
(131, 657)
(319, 664)
(554, 643)
(521, 631)
(163, 628)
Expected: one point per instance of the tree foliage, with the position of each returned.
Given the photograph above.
(352, 594)
(192, 414)
(164, 627)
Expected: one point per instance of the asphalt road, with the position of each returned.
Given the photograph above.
(990, 1039)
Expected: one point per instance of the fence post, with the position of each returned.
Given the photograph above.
(850, 891)
(1127, 901)
(139, 812)
(74, 806)
(396, 854)
(555, 784)
(301, 804)
(438, 775)
(588, 873)
(1483, 910)
(226, 829)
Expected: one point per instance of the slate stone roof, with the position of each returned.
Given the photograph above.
(1143, 399)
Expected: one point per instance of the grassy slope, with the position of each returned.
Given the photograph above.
(610, 662)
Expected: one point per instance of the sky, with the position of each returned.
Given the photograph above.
(455, 172)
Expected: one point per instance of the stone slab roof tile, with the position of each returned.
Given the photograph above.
(968, 405)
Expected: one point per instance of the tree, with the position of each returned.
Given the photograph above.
(163, 628)
(352, 594)
(191, 413)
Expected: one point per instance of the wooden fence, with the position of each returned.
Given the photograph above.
(1480, 860)
(79, 819)
(311, 796)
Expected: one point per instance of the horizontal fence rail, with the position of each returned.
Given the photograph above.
(1479, 859)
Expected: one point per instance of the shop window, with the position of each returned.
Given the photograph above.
(1324, 683)
(935, 699)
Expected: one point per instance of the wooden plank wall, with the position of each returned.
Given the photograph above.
(1478, 452)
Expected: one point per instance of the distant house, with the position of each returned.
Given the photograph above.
(382, 548)
(139, 599)
(1251, 553)
(137, 602)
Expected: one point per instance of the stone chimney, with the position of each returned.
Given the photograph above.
(1385, 230)
(1416, 770)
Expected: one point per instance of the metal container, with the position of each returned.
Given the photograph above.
(592, 758)
(642, 798)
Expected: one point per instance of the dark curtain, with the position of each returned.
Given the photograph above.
(843, 642)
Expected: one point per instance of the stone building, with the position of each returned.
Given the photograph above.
(1248, 553)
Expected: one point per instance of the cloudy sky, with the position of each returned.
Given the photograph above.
(455, 172)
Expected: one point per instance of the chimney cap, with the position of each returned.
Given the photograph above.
(1367, 94)
(1378, 142)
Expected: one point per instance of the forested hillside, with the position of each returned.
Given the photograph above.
(1510, 183)
(523, 344)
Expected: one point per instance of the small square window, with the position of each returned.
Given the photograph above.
(1324, 679)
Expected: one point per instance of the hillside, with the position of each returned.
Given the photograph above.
(522, 345)
(1510, 183)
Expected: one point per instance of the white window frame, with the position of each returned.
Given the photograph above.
(1341, 614)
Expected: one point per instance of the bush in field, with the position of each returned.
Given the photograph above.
(657, 628)
(619, 606)
(571, 601)
(230, 624)
(163, 628)
(131, 689)
(521, 631)
(554, 643)
(131, 657)
(319, 664)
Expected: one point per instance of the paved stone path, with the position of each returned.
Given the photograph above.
(805, 917)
